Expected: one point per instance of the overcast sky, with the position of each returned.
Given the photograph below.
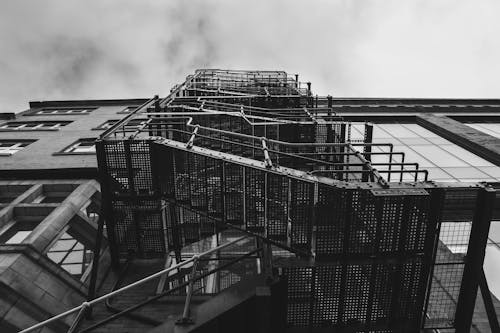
(120, 49)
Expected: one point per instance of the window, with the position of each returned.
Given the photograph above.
(132, 124)
(10, 147)
(128, 109)
(82, 146)
(71, 254)
(33, 125)
(9, 193)
(61, 111)
(444, 160)
(18, 232)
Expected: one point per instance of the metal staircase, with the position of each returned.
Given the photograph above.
(255, 152)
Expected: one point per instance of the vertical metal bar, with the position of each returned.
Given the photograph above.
(431, 244)
(390, 164)
(85, 307)
(488, 303)
(288, 214)
(266, 206)
(244, 195)
(315, 195)
(107, 202)
(474, 259)
(185, 313)
(368, 149)
(97, 254)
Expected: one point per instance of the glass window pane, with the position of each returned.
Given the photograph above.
(74, 269)
(74, 257)
(63, 245)
(414, 141)
(492, 269)
(425, 133)
(438, 156)
(494, 234)
(439, 141)
(491, 171)
(466, 173)
(437, 173)
(465, 155)
(379, 133)
(56, 256)
(398, 131)
(18, 237)
(412, 157)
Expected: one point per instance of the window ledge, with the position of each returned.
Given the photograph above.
(71, 153)
(28, 130)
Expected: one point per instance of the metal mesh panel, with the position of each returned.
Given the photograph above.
(447, 274)
(358, 222)
(299, 295)
(233, 189)
(139, 227)
(255, 200)
(361, 297)
(443, 296)
(277, 207)
(326, 300)
(301, 209)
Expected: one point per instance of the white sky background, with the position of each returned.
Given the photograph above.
(360, 48)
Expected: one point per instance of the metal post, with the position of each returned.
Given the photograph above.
(474, 259)
(330, 105)
(107, 202)
(367, 149)
(95, 261)
(85, 307)
(186, 320)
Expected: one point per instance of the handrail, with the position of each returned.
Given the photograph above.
(167, 292)
(130, 286)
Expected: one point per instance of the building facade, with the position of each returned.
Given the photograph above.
(331, 213)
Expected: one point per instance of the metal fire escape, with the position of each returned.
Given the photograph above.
(257, 152)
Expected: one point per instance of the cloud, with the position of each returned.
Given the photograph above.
(123, 48)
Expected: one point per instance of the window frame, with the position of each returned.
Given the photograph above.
(114, 121)
(40, 125)
(130, 107)
(40, 111)
(16, 143)
(65, 151)
(76, 232)
(9, 230)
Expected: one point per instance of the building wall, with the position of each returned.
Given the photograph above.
(35, 281)
(43, 153)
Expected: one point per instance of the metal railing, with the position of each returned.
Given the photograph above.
(82, 309)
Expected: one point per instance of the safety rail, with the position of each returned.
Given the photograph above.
(82, 309)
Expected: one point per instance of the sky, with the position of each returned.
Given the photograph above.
(94, 49)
